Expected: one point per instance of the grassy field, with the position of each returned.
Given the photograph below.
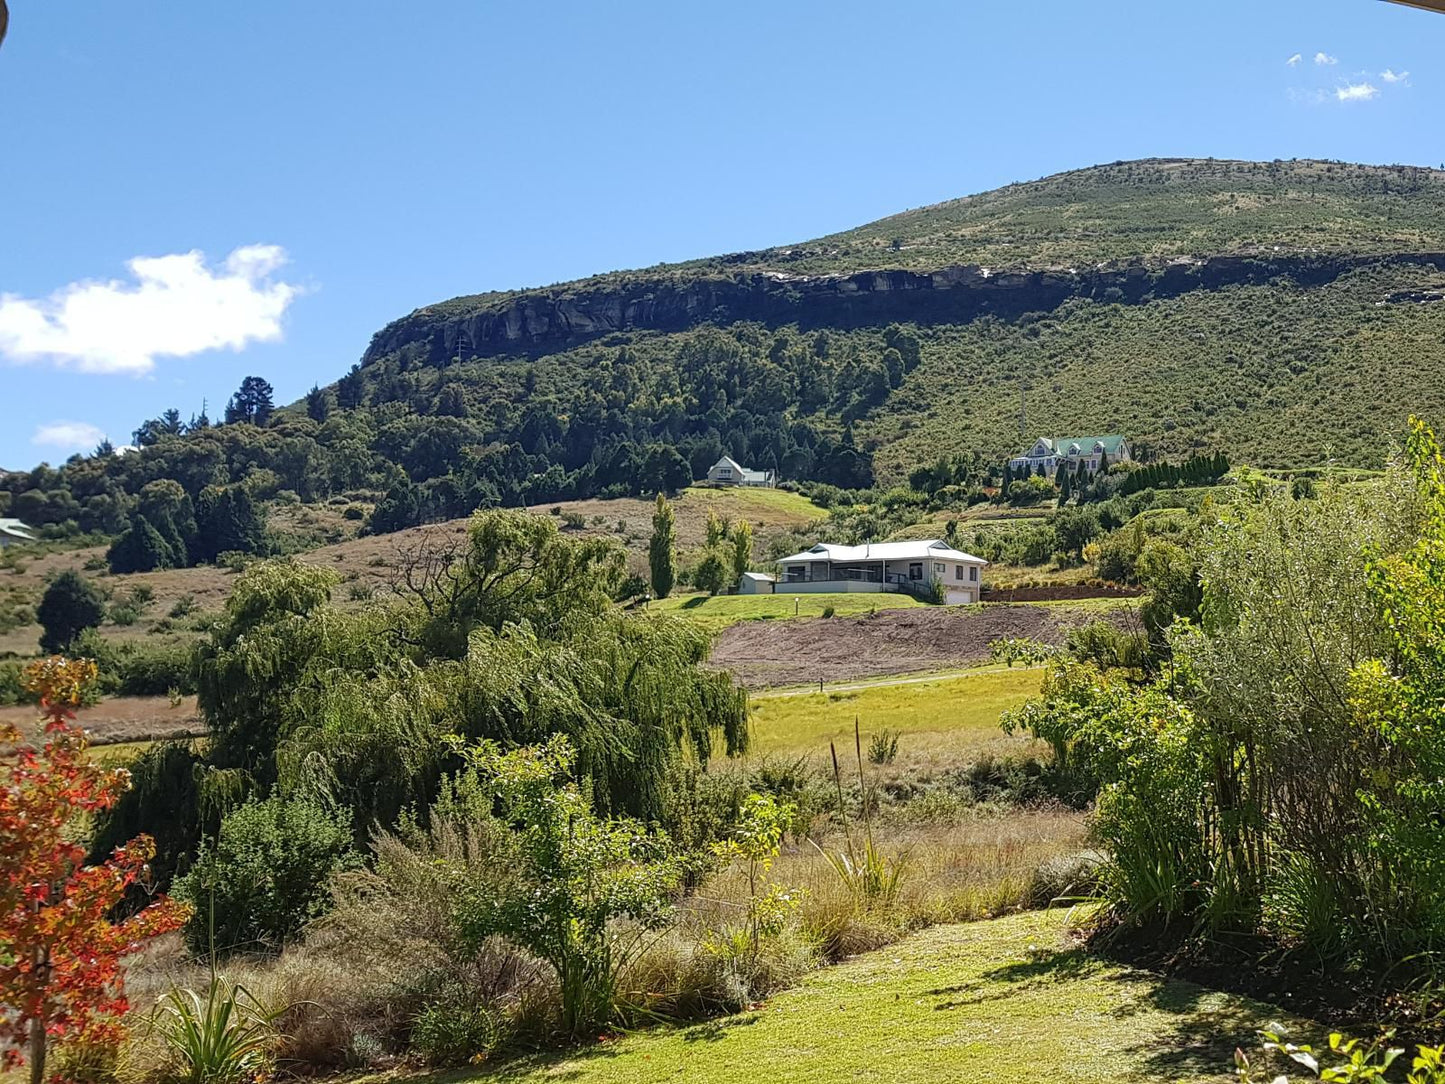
(950, 718)
(982, 1003)
(720, 611)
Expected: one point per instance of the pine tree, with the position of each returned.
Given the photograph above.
(318, 404)
(252, 402)
(662, 549)
(1065, 489)
(140, 548)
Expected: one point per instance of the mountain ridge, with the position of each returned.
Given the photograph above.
(1124, 225)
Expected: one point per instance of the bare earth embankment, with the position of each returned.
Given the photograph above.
(763, 653)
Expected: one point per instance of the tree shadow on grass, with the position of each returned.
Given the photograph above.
(1043, 968)
(712, 1031)
(694, 602)
(1200, 1042)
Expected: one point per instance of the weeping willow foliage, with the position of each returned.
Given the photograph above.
(512, 639)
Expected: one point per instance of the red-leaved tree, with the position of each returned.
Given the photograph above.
(60, 953)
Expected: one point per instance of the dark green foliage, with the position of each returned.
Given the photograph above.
(266, 876)
(662, 549)
(232, 523)
(399, 508)
(140, 548)
(70, 605)
(1074, 528)
(162, 801)
(1199, 470)
(318, 404)
(252, 402)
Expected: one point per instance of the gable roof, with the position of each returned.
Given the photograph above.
(1112, 442)
(920, 549)
(729, 461)
(13, 528)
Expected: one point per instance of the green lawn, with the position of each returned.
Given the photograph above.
(956, 714)
(738, 502)
(717, 612)
(983, 1003)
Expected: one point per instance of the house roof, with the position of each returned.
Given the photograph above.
(746, 473)
(15, 529)
(760, 577)
(1112, 442)
(915, 550)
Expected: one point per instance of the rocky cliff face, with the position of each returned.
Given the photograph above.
(543, 321)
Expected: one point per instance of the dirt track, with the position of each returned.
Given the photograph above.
(764, 653)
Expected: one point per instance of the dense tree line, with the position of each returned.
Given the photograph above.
(610, 419)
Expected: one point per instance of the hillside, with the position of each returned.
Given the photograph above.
(1286, 313)
(1192, 304)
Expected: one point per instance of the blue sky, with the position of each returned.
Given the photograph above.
(291, 176)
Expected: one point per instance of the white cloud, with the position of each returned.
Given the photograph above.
(175, 307)
(1394, 77)
(1325, 58)
(68, 436)
(1355, 92)
(1292, 61)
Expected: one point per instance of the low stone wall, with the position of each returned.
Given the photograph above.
(1060, 592)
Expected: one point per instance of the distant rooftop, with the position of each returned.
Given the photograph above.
(914, 550)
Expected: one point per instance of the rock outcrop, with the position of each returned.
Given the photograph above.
(547, 320)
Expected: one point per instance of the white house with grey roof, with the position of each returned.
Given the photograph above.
(913, 567)
(13, 531)
(727, 471)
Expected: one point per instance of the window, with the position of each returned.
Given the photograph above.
(915, 570)
(958, 572)
(938, 568)
(973, 573)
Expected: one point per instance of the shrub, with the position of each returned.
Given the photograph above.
(829, 610)
(70, 605)
(883, 747)
(154, 671)
(266, 876)
(575, 877)
(183, 607)
(452, 1031)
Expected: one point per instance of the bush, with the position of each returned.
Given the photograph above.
(154, 671)
(183, 607)
(70, 605)
(266, 876)
(456, 1031)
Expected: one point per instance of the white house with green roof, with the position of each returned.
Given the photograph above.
(1049, 453)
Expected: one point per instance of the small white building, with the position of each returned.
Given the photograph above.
(756, 583)
(727, 471)
(884, 566)
(13, 531)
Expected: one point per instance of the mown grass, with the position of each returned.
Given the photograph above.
(740, 502)
(1004, 1000)
(952, 717)
(717, 612)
